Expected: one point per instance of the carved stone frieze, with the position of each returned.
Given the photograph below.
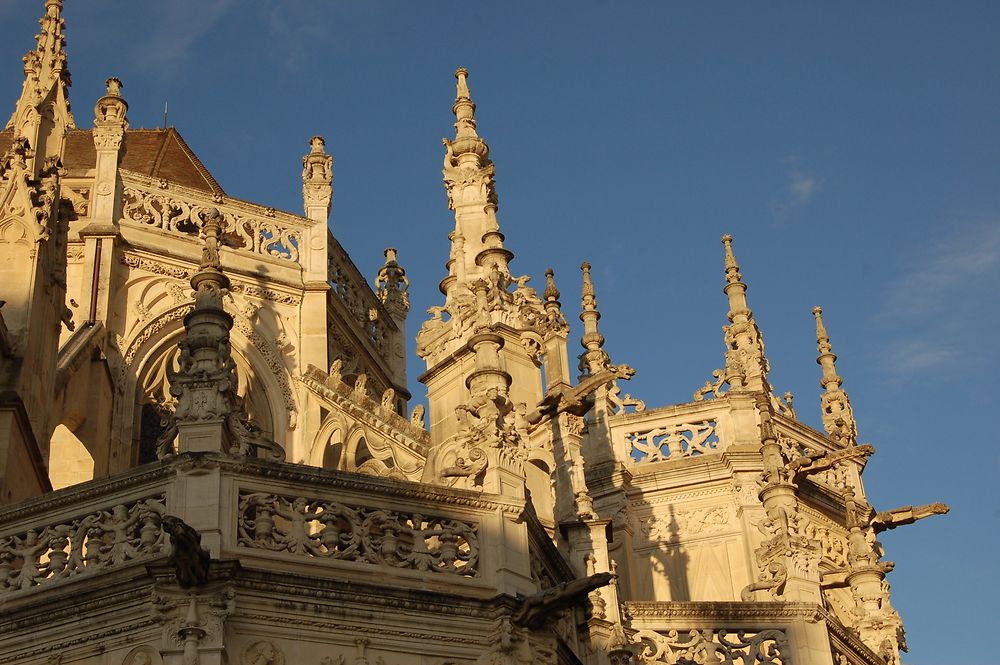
(672, 441)
(691, 523)
(154, 266)
(242, 230)
(747, 647)
(99, 540)
(325, 529)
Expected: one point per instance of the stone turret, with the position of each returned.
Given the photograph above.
(481, 296)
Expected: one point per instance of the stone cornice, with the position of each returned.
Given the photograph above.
(77, 497)
(332, 596)
(327, 479)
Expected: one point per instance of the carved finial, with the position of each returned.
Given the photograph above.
(110, 121)
(593, 341)
(464, 108)
(822, 338)
(317, 180)
(391, 286)
(213, 231)
(551, 293)
(838, 416)
(589, 300)
(462, 76)
(732, 268)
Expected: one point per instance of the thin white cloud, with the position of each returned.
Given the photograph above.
(178, 26)
(800, 187)
(919, 354)
(935, 279)
(936, 302)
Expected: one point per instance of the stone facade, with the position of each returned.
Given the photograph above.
(206, 453)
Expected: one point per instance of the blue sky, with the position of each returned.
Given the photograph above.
(851, 148)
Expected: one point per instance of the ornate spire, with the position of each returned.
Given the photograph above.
(317, 180)
(210, 415)
(746, 364)
(464, 108)
(45, 92)
(391, 286)
(838, 416)
(594, 358)
(468, 178)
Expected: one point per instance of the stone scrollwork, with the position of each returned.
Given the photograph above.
(712, 387)
(245, 232)
(726, 647)
(103, 539)
(668, 442)
(620, 404)
(332, 530)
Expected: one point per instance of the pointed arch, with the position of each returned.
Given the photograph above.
(143, 380)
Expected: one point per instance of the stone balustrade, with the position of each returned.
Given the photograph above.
(729, 633)
(115, 532)
(363, 308)
(270, 516)
(670, 434)
(178, 210)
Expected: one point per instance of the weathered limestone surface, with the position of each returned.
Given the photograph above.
(207, 456)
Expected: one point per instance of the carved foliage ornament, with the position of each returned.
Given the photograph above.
(332, 530)
(103, 539)
(241, 231)
(726, 647)
(672, 441)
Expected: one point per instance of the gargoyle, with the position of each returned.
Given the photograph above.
(578, 399)
(535, 610)
(821, 461)
(187, 557)
(890, 519)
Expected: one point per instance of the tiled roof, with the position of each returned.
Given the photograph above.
(158, 153)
